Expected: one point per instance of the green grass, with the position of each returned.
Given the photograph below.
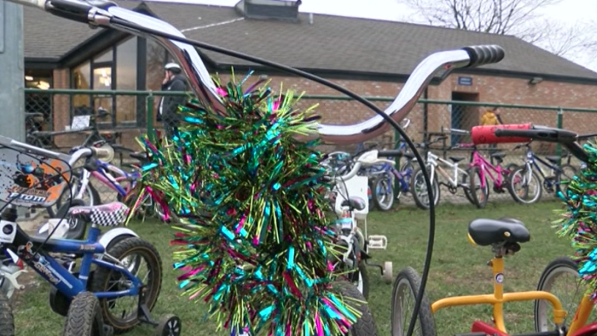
(458, 268)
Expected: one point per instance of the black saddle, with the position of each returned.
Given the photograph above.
(486, 232)
(553, 159)
(498, 155)
(456, 159)
(355, 203)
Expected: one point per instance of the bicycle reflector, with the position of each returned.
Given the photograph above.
(486, 134)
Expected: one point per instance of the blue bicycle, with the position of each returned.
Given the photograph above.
(384, 179)
(90, 299)
(526, 185)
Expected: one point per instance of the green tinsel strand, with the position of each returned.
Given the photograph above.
(259, 252)
(579, 221)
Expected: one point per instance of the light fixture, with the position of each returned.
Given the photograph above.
(105, 77)
(29, 78)
(43, 85)
(535, 80)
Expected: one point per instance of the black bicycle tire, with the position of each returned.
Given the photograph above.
(564, 262)
(7, 321)
(474, 171)
(375, 197)
(558, 177)
(425, 317)
(434, 184)
(511, 187)
(365, 325)
(84, 317)
(102, 276)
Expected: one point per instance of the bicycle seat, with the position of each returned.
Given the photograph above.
(553, 159)
(110, 214)
(355, 203)
(456, 159)
(498, 155)
(139, 156)
(486, 232)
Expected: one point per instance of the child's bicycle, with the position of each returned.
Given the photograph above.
(88, 298)
(351, 205)
(505, 236)
(522, 178)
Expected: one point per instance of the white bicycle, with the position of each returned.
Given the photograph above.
(351, 206)
(454, 177)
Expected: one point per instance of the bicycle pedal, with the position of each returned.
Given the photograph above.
(377, 242)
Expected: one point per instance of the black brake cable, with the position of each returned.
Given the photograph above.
(41, 181)
(317, 79)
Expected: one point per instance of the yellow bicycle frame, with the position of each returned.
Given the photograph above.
(498, 298)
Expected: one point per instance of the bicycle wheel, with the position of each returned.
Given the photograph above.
(90, 197)
(84, 316)
(365, 326)
(406, 287)
(107, 280)
(419, 189)
(570, 294)
(465, 188)
(524, 182)
(479, 194)
(7, 321)
(382, 192)
(563, 177)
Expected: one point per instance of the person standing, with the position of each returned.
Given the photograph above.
(489, 118)
(174, 81)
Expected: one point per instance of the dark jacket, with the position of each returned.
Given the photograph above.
(169, 104)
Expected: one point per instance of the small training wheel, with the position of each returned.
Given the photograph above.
(387, 272)
(169, 326)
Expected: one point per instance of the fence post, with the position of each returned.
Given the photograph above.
(149, 116)
(397, 160)
(559, 124)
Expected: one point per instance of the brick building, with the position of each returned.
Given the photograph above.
(370, 57)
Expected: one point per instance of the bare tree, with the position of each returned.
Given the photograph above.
(521, 18)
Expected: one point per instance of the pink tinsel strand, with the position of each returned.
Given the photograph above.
(318, 325)
(241, 224)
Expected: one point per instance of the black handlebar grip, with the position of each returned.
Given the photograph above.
(547, 134)
(484, 54)
(77, 10)
(390, 153)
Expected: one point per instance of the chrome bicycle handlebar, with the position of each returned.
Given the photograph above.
(107, 14)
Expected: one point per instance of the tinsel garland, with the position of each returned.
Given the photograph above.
(256, 243)
(579, 220)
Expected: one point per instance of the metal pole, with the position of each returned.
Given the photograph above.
(12, 75)
(559, 123)
(12, 95)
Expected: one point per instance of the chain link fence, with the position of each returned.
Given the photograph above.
(62, 119)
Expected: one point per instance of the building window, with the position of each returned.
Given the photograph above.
(114, 69)
(81, 80)
(126, 80)
(38, 102)
(156, 59)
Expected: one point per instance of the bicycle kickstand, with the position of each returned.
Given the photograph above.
(381, 269)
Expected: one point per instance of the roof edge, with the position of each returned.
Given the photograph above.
(529, 75)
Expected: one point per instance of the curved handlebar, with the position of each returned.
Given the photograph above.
(528, 132)
(105, 13)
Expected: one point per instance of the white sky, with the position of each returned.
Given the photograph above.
(569, 11)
